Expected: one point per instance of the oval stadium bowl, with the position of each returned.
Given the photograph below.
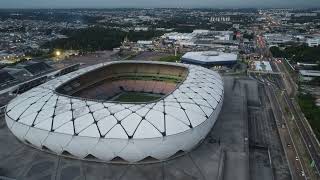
(124, 111)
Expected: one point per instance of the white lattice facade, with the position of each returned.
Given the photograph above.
(107, 130)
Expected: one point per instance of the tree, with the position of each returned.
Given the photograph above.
(248, 36)
(276, 52)
(301, 53)
(97, 38)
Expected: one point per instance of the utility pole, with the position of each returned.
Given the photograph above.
(175, 50)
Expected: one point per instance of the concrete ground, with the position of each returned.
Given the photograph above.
(266, 151)
(223, 155)
(86, 60)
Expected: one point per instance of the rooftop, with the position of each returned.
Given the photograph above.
(262, 66)
(210, 56)
(310, 73)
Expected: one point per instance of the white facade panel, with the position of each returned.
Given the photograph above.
(80, 146)
(36, 136)
(57, 142)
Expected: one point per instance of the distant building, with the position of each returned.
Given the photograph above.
(178, 36)
(201, 31)
(144, 42)
(143, 45)
(278, 38)
(313, 42)
(318, 102)
(210, 58)
(6, 62)
(198, 37)
(305, 14)
(236, 26)
(308, 75)
(262, 66)
(220, 19)
(306, 65)
(141, 29)
(10, 56)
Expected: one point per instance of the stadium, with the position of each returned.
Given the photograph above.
(128, 111)
(210, 58)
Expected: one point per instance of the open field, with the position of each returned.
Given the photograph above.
(171, 58)
(136, 97)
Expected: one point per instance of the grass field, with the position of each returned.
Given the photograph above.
(137, 97)
(152, 77)
(171, 58)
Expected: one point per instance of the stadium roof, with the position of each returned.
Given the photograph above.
(81, 127)
(209, 58)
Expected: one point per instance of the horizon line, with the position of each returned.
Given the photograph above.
(26, 8)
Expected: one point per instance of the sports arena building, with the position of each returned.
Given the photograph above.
(125, 110)
(210, 58)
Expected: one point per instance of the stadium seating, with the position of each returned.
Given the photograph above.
(109, 81)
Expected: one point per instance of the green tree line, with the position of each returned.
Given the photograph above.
(301, 53)
(311, 111)
(97, 38)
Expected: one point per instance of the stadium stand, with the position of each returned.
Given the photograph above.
(68, 69)
(110, 81)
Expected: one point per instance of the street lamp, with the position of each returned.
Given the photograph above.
(58, 53)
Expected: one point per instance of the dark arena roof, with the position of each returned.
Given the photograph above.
(5, 77)
(36, 68)
(210, 58)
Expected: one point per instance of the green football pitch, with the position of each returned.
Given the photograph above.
(137, 97)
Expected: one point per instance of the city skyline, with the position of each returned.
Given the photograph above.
(143, 89)
(160, 4)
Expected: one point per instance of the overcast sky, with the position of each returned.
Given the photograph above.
(156, 3)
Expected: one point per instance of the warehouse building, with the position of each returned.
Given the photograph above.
(308, 75)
